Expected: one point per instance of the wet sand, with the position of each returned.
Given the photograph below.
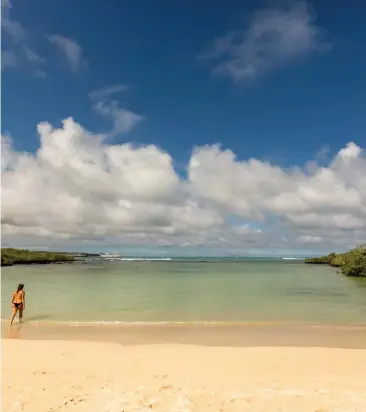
(211, 334)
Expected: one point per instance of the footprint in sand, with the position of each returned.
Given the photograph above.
(165, 387)
(15, 407)
(40, 373)
(183, 405)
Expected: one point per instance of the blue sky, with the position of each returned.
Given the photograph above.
(164, 54)
(152, 46)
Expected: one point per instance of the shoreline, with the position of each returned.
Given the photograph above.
(38, 263)
(151, 259)
(255, 334)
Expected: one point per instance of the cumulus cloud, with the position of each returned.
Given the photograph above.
(332, 196)
(79, 190)
(70, 50)
(75, 186)
(275, 37)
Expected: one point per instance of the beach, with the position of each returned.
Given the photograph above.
(184, 337)
(184, 368)
(183, 206)
(73, 375)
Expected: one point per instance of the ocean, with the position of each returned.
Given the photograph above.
(183, 290)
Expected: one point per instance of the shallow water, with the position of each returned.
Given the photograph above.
(143, 291)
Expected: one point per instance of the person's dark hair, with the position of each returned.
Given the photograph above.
(20, 287)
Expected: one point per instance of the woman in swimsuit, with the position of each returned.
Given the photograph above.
(18, 303)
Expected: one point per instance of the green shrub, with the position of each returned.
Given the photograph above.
(352, 263)
(11, 256)
(356, 265)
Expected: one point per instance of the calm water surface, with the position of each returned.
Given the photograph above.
(187, 292)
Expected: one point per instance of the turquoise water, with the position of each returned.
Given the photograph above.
(227, 291)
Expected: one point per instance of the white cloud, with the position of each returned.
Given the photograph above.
(14, 29)
(16, 52)
(5, 5)
(309, 239)
(71, 51)
(11, 27)
(332, 197)
(350, 151)
(275, 37)
(36, 61)
(123, 120)
(32, 56)
(77, 189)
(75, 186)
(237, 187)
(105, 93)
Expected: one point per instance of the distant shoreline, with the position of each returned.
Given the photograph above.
(37, 262)
(153, 260)
(15, 257)
(12, 256)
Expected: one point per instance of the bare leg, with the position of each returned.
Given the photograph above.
(15, 310)
(20, 313)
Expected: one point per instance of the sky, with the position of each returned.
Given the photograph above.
(184, 128)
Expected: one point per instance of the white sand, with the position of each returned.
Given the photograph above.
(85, 376)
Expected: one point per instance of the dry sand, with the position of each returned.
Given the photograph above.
(106, 377)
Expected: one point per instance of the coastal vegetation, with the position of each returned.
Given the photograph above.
(352, 263)
(11, 256)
